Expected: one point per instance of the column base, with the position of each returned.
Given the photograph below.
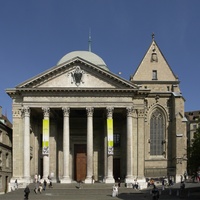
(88, 180)
(142, 182)
(65, 180)
(129, 179)
(109, 180)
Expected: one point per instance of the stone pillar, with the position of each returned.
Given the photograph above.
(89, 145)
(46, 112)
(66, 146)
(26, 115)
(109, 177)
(135, 144)
(141, 144)
(129, 146)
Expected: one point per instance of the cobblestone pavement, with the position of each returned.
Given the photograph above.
(100, 191)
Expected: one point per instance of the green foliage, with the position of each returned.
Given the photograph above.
(194, 153)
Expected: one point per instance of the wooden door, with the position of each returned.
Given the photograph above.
(80, 162)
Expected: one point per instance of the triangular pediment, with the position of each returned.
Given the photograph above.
(77, 73)
(154, 67)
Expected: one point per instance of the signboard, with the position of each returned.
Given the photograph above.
(45, 138)
(110, 136)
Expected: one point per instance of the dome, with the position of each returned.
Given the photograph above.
(86, 55)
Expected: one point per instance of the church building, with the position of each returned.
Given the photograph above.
(78, 121)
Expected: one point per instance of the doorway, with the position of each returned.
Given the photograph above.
(116, 168)
(80, 162)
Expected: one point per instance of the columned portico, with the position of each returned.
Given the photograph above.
(109, 176)
(129, 159)
(26, 115)
(90, 111)
(46, 112)
(76, 144)
(66, 131)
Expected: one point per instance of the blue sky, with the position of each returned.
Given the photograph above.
(35, 34)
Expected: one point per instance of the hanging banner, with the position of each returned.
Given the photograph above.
(110, 136)
(45, 138)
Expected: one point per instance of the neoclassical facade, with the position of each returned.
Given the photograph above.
(78, 121)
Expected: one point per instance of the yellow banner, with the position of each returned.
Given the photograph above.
(110, 136)
(45, 138)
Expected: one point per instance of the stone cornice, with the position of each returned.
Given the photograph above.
(67, 91)
(153, 82)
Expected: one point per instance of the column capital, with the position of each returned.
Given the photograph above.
(25, 111)
(46, 111)
(66, 111)
(130, 111)
(109, 111)
(90, 111)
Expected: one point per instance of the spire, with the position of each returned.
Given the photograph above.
(90, 41)
(153, 35)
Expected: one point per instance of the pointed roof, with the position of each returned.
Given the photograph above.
(154, 62)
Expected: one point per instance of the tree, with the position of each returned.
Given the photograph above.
(194, 153)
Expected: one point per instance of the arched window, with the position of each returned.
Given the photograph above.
(157, 129)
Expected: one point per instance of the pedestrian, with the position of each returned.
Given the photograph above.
(115, 191)
(135, 184)
(119, 182)
(155, 193)
(44, 184)
(148, 183)
(185, 175)
(170, 181)
(182, 186)
(163, 184)
(93, 179)
(50, 182)
(40, 187)
(26, 192)
(16, 184)
(36, 187)
(198, 176)
(36, 178)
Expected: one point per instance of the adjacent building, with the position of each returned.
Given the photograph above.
(193, 118)
(78, 121)
(5, 152)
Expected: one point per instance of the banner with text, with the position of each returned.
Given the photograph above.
(110, 136)
(45, 141)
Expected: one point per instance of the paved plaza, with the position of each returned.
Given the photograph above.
(100, 191)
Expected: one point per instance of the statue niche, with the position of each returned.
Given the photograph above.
(77, 76)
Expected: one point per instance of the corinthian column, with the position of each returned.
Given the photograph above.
(26, 115)
(109, 176)
(89, 145)
(66, 145)
(141, 143)
(46, 112)
(129, 144)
